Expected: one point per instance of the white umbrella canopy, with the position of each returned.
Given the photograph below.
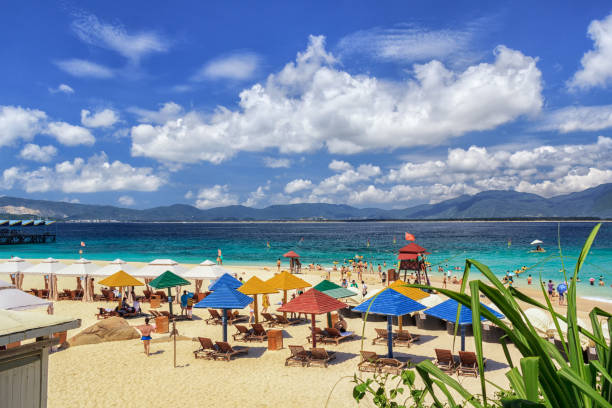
(114, 267)
(543, 322)
(4, 284)
(14, 299)
(536, 242)
(82, 267)
(205, 270)
(155, 268)
(14, 265)
(46, 267)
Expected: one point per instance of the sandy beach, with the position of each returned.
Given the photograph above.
(118, 374)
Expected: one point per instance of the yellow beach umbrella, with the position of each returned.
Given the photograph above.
(256, 286)
(412, 293)
(121, 279)
(285, 281)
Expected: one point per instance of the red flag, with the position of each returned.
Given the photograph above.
(409, 237)
(82, 243)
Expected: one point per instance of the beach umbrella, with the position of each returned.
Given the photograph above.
(158, 266)
(225, 280)
(114, 267)
(169, 280)
(536, 242)
(292, 257)
(15, 266)
(412, 293)
(256, 286)
(285, 281)
(121, 279)
(447, 310)
(80, 268)
(390, 303)
(543, 322)
(334, 290)
(226, 298)
(206, 270)
(48, 267)
(12, 298)
(313, 302)
(431, 300)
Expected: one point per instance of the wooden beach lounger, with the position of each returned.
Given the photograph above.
(242, 334)
(382, 336)
(215, 317)
(299, 356)
(320, 356)
(283, 321)
(318, 333)
(269, 319)
(226, 352)
(232, 318)
(468, 364)
(334, 336)
(404, 338)
(445, 361)
(258, 334)
(207, 349)
(371, 362)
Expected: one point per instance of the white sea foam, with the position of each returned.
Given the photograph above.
(597, 299)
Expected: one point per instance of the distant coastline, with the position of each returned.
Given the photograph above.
(525, 220)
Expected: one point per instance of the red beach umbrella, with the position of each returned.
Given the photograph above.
(291, 254)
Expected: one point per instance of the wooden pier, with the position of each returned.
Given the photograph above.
(29, 238)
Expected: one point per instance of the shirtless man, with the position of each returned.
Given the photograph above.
(146, 331)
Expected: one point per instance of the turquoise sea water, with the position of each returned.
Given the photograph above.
(450, 243)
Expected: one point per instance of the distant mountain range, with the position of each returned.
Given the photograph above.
(591, 203)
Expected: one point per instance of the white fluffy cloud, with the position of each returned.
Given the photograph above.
(579, 118)
(103, 118)
(69, 135)
(298, 185)
(132, 46)
(310, 104)
(276, 162)
(19, 123)
(83, 176)
(126, 200)
(239, 66)
(339, 165)
(63, 88)
(83, 68)
(38, 153)
(597, 63)
(216, 196)
(258, 196)
(167, 112)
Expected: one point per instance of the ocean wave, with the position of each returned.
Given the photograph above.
(597, 299)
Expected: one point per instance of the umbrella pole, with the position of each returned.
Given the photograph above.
(400, 321)
(224, 324)
(329, 322)
(284, 301)
(463, 337)
(256, 313)
(390, 336)
(314, 338)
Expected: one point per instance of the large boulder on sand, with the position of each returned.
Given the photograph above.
(111, 329)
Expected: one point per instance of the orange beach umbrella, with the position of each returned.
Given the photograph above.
(286, 281)
(256, 286)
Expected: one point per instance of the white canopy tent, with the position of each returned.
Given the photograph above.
(15, 266)
(47, 267)
(114, 267)
(155, 268)
(12, 298)
(207, 270)
(82, 268)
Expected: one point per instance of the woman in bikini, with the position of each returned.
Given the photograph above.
(146, 331)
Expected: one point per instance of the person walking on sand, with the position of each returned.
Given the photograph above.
(444, 281)
(265, 303)
(278, 265)
(529, 280)
(146, 330)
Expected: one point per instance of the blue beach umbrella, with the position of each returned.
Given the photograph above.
(390, 303)
(226, 298)
(447, 310)
(227, 280)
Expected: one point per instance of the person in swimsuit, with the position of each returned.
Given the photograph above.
(146, 331)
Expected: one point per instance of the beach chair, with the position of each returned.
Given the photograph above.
(284, 322)
(404, 338)
(155, 313)
(390, 366)
(43, 293)
(226, 352)
(65, 294)
(382, 336)
(242, 334)
(147, 295)
(468, 364)
(369, 362)
(445, 361)
(108, 295)
(269, 319)
(299, 356)
(334, 336)
(320, 357)
(102, 313)
(207, 349)
(215, 317)
(232, 318)
(258, 334)
(318, 333)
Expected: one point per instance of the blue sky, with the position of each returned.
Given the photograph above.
(385, 104)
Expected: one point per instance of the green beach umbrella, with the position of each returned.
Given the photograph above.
(169, 280)
(334, 290)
